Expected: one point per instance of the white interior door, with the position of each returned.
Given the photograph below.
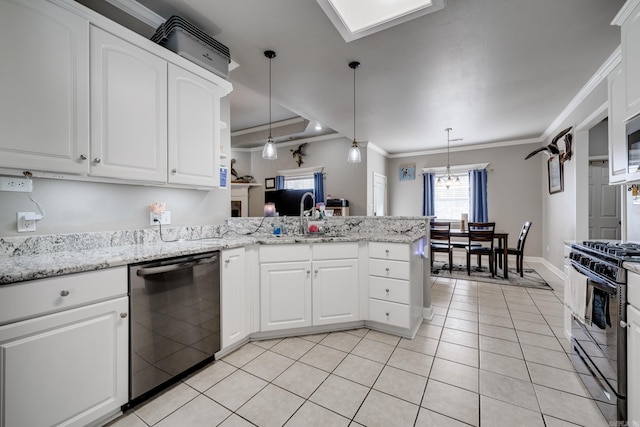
(604, 203)
(379, 194)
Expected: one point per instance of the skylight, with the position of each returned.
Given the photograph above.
(359, 18)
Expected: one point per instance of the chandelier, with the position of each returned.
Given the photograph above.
(447, 180)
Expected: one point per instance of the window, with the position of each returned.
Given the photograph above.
(450, 203)
(298, 182)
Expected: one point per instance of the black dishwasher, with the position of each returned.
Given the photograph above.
(175, 320)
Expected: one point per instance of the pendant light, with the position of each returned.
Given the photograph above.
(269, 151)
(447, 179)
(354, 151)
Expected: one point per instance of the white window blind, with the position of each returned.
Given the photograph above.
(451, 202)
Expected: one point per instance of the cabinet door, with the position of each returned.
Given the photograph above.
(617, 133)
(631, 62)
(68, 368)
(194, 129)
(233, 296)
(335, 291)
(44, 82)
(633, 368)
(128, 110)
(285, 295)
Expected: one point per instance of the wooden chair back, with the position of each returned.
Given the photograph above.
(481, 232)
(440, 232)
(523, 236)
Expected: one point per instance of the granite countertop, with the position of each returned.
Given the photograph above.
(634, 267)
(19, 268)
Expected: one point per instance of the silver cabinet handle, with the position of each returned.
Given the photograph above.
(64, 293)
(308, 271)
(316, 271)
(83, 157)
(386, 290)
(387, 313)
(624, 324)
(227, 261)
(123, 315)
(97, 160)
(174, 170)
(386, 251)
(387, 269)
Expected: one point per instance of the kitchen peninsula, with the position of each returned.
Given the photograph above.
(361, 271)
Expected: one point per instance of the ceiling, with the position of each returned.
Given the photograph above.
(493, 70)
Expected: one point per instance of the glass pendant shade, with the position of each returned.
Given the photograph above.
(354, 154)
(269, 150)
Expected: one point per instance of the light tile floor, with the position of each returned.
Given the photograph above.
(491, 356)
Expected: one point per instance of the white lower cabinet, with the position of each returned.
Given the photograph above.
(70, 367)
(233, 296)
(304, 286)
(335, 291)
(395, 287)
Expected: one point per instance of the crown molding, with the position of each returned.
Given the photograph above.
(601, 75)
(139, 12)
(625, 12)
(377, 149)
(467, 148)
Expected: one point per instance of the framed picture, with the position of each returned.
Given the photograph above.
(407, 172)
(269, 183)
(556, 175)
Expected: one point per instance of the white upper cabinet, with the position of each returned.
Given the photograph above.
(128, 110)
(194, 129)
(44, 82)
(617, 134)
(629, 19)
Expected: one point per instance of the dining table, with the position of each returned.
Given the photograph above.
(502, 237)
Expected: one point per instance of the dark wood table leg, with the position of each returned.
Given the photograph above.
(505, 261)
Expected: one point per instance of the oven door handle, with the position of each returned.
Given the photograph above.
(596, 281)
(148, 271)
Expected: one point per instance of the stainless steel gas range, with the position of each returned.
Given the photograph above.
(599, 342)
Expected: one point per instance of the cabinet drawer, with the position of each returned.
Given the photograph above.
(395, 251)
(285, 252)
(390, 269)
(37, 297)
(389, 313)
(386, 289)
(334, 250)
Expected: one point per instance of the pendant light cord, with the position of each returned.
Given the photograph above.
(353, 65)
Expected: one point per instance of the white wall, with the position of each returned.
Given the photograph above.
(377, 163)
(566, 214)
(513, 188)
(342, 179)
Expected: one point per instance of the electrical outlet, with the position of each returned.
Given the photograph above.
(164, 218)
(25, 225)
(15, 184)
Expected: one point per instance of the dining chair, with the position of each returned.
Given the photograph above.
(518, 251)
(481, 243)
(440, 240)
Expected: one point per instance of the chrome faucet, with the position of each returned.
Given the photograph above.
(313, 210)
